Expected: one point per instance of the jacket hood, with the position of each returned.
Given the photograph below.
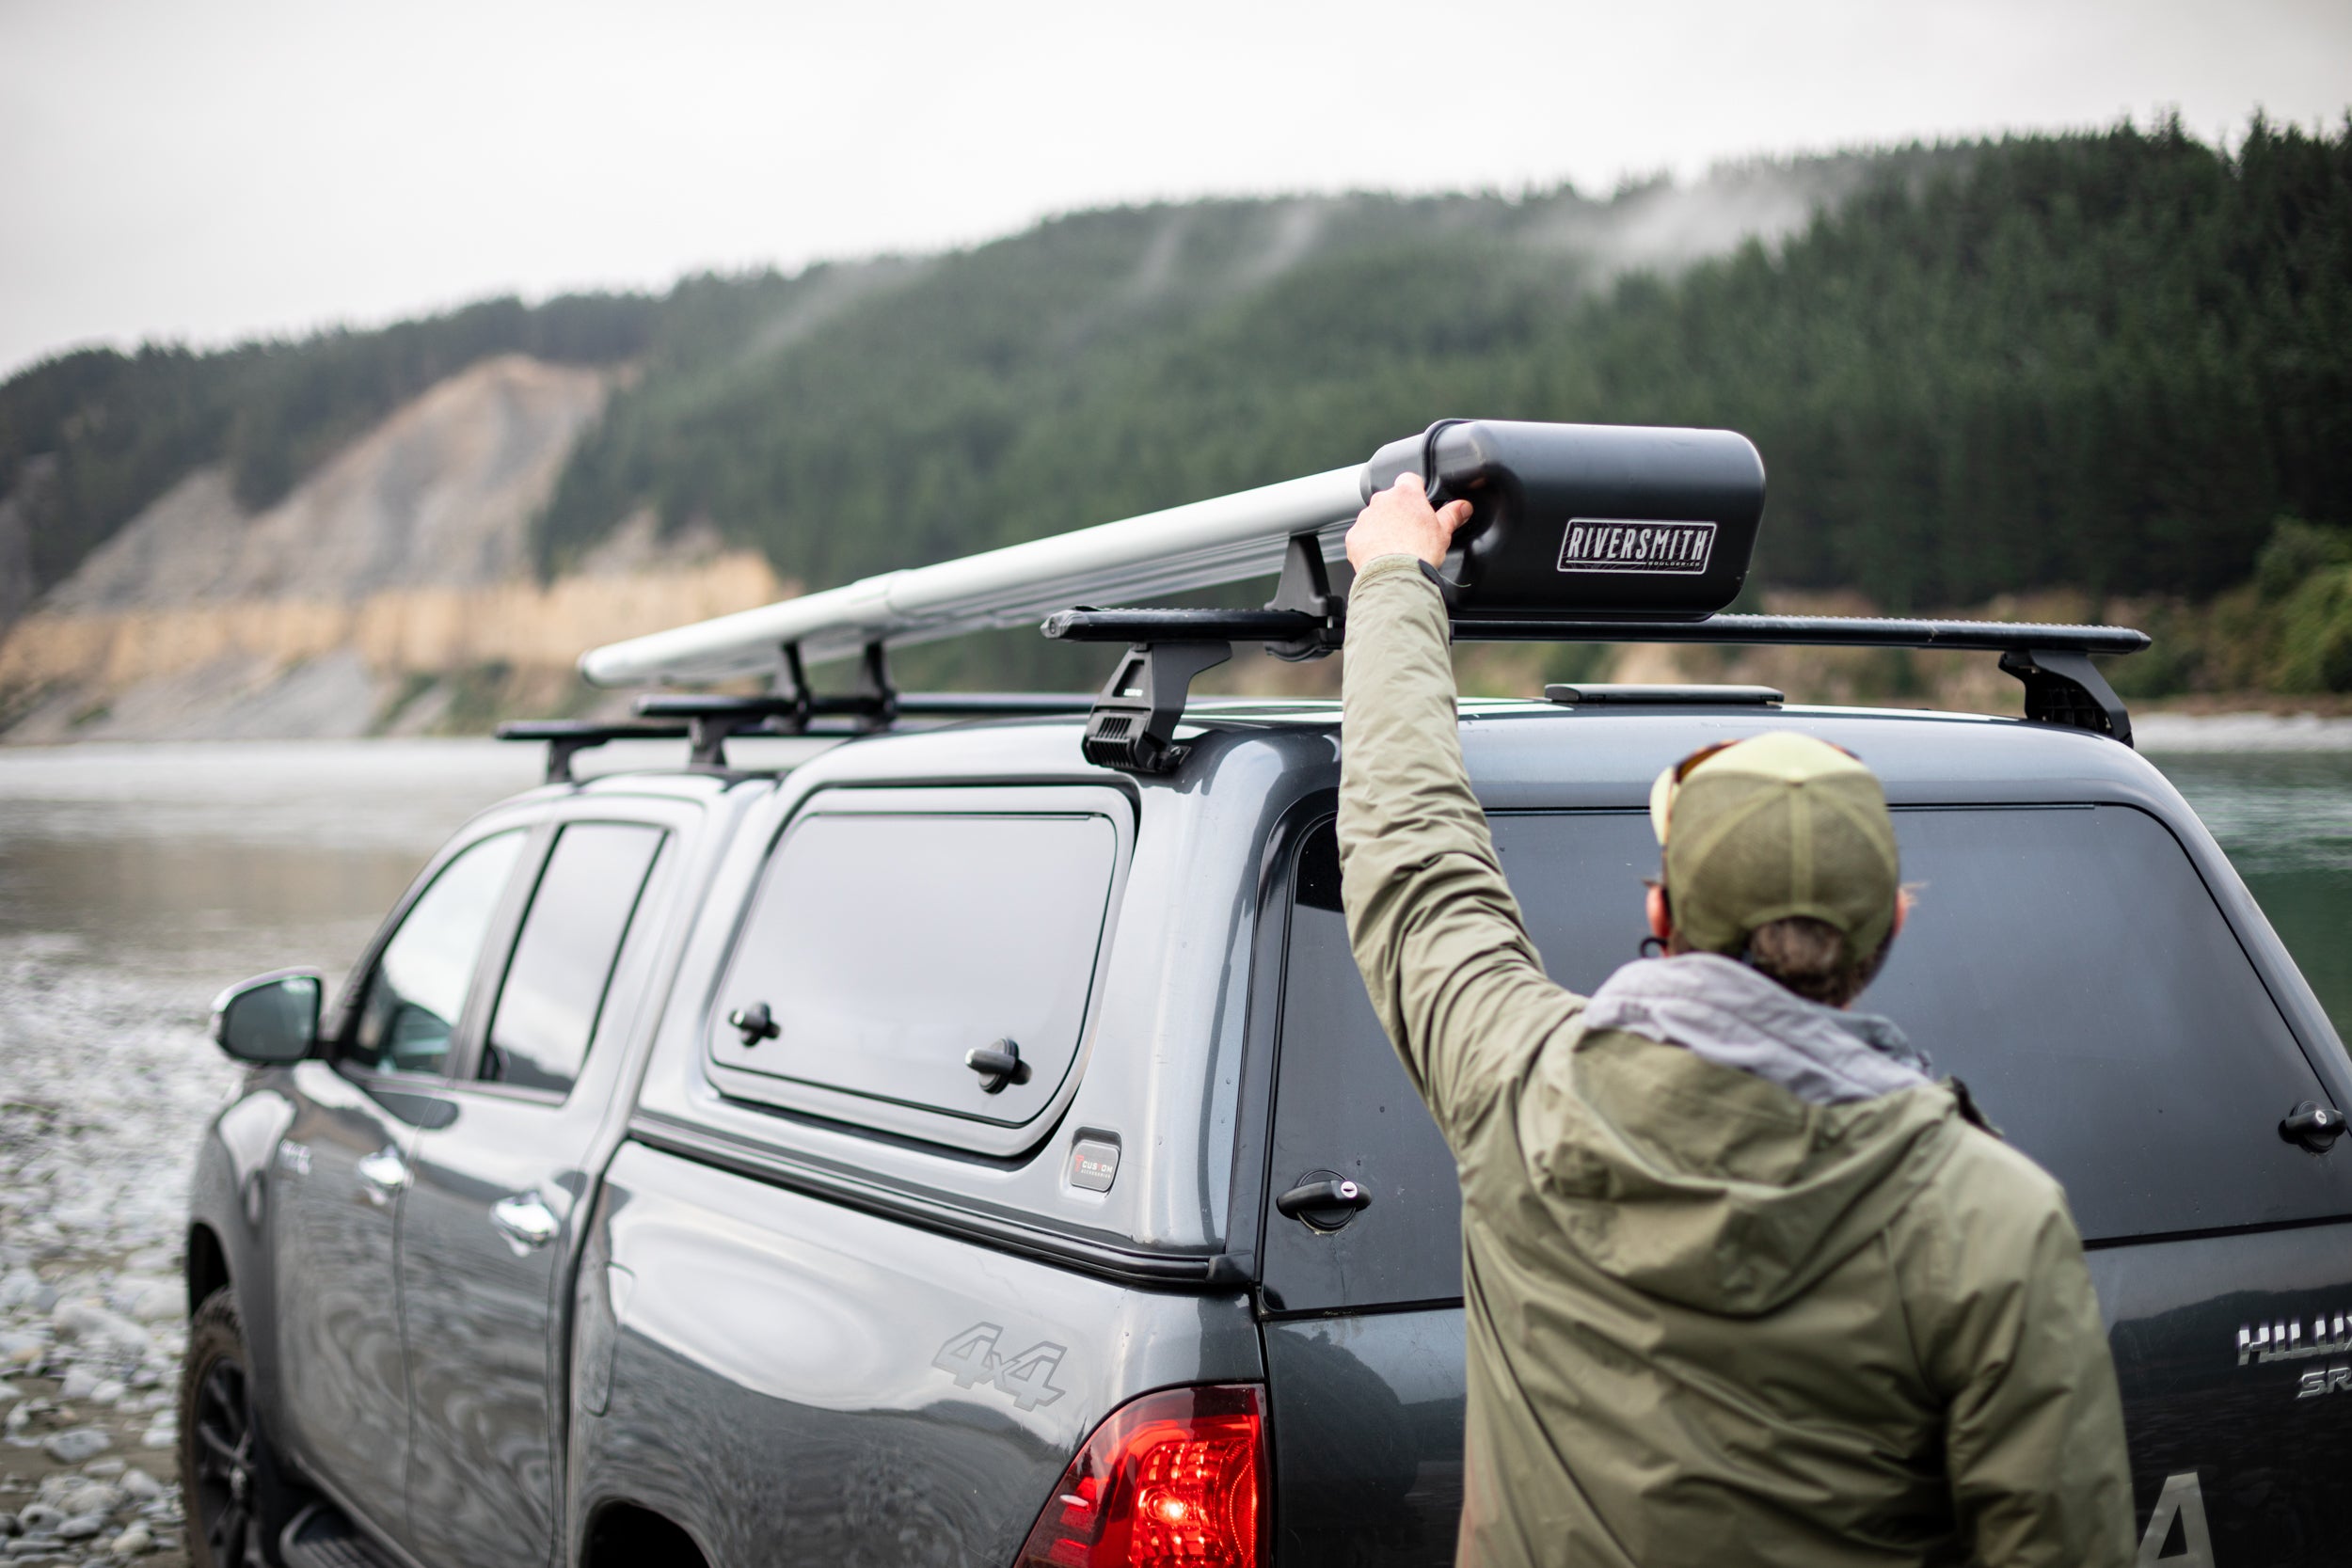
(1711, 1186)
(1735, 1017)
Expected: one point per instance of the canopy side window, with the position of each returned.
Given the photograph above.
(938, 961)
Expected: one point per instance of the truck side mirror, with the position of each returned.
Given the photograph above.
(270, 1019)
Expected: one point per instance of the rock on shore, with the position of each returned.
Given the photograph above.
(105, 1083)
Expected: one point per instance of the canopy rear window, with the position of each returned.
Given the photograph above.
(883, 946)
(2067, 962)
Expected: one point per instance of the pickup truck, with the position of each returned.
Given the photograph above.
(891, 1160)
(974, 1145)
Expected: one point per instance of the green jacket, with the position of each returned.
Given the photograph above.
(1708, 1321)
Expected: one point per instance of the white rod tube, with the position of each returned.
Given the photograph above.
(1226, 539)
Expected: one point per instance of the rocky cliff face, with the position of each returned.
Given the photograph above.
(390, 590)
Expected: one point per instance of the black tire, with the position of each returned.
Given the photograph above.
(234, 1490)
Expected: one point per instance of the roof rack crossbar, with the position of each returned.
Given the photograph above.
(710, 721)
(2062, 686)
(1087, 624)
(566, 738)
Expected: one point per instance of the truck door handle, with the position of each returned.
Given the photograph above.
(385, 1174)
(1323, 1200)
(525, 1221)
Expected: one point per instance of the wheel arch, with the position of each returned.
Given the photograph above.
(207, 1264)
(628, 1535)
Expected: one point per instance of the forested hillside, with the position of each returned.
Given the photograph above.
(98, 434)
(2109, 362)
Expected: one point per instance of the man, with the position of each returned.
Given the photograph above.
(1744, 1284)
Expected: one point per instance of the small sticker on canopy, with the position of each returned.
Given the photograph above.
(1094, 1164)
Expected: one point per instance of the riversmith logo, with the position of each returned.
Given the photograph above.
(1618, 544)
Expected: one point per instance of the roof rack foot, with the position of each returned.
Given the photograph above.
(2063, 687)
(1131, 726)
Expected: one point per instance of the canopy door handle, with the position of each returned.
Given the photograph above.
(1323, 1200)
(2316, 1127)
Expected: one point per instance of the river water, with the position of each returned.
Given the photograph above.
(138, 881)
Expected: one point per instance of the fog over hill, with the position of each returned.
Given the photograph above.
(2103, 363)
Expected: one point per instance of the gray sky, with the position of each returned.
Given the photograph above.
(204, 172)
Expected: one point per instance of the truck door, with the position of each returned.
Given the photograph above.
(497, 1184)
(342, 1171)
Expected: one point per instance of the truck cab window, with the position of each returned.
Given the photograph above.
(418, 991)
(556, 981)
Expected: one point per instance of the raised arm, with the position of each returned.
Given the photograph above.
(1436, 931)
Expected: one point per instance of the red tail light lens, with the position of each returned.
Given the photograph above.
(1173, 1480)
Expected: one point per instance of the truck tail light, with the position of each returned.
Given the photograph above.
(1171, 1480)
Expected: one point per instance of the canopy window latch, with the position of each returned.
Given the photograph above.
(997, 1065)
(754, 1023)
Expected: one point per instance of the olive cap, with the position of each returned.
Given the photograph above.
(1773, 827)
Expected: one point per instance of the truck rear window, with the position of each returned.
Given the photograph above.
(2067, 962)
(882, 947)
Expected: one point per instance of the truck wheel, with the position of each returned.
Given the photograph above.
(235, 1495)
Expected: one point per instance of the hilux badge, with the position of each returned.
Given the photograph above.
(1621, 544)
(2286, 1340)
(2329, 1336)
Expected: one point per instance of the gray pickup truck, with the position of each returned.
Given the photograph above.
(974, 1145)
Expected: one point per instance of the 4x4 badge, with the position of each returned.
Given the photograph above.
(971, 1358)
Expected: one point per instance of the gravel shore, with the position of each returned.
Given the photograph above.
(105, 1079)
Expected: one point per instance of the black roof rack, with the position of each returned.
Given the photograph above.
(1135, 715)
(1795, 632)
(567, 737)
